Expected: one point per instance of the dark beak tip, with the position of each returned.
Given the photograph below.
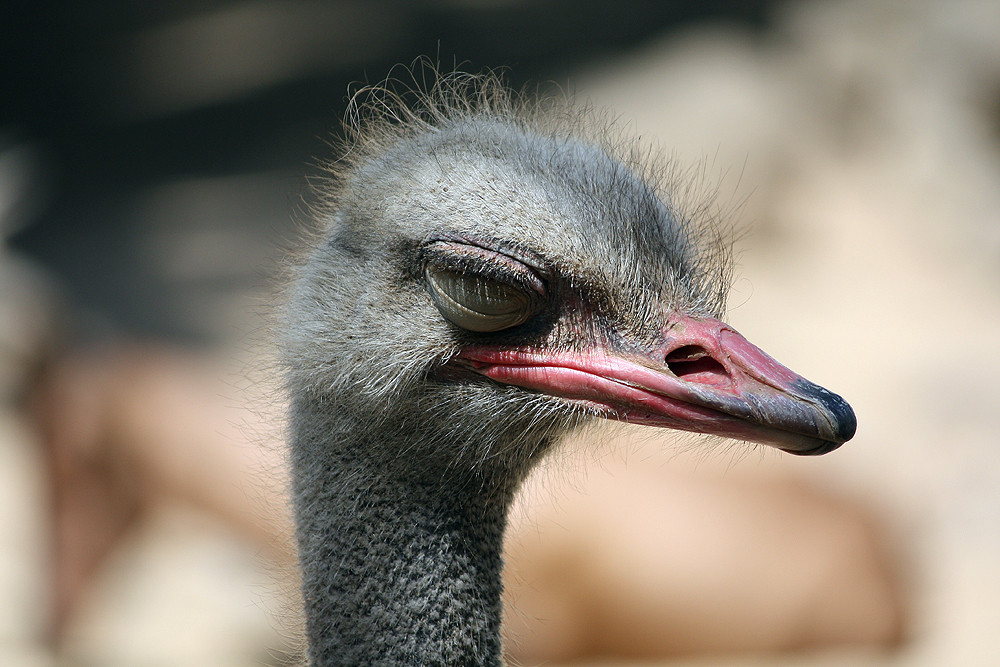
(848, 424)
(840, 419)
(843, 422)
(845, 426)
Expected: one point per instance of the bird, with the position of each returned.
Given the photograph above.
(485, 274)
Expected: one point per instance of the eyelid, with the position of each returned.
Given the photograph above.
(479, 289)
(490, 264)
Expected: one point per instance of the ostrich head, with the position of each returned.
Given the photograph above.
(488, 277)
(486, 280)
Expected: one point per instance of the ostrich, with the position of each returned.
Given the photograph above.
(485, 280)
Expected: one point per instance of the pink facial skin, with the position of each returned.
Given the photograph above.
(704, 377)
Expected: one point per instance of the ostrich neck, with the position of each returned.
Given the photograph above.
(396, 569)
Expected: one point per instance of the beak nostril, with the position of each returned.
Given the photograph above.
(692, 363)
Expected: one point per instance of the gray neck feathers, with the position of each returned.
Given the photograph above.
(398, 567)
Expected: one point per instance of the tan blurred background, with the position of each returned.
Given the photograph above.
(152, 166)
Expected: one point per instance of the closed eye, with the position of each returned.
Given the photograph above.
(481, 290)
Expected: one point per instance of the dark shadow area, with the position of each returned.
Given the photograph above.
(145, 120)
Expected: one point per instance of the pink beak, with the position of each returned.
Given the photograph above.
(704, 377)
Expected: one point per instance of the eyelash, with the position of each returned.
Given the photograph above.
(485, 263)
(481, 290)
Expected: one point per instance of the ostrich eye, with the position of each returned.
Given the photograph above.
(476, 303)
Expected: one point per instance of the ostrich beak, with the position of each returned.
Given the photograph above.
(703, 377)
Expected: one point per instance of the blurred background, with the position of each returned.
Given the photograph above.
(154, 167)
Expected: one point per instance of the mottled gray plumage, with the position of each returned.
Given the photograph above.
(403, 467)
